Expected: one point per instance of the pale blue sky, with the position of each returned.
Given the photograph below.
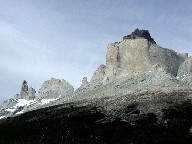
(67, 39)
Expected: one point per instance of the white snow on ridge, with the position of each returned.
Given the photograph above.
(19, 112)
(46, 101)
(1, 117)
(10, 110)
(23, 102)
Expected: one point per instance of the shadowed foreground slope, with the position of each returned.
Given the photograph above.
(68, 123)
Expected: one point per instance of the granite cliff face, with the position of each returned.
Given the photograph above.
(139, 56)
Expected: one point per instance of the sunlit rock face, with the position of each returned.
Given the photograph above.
(139, 56)
(137, 53)
(55, 88)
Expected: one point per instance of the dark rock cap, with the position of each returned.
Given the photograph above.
(140, 34)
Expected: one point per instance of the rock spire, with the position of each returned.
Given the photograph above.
(27, 93)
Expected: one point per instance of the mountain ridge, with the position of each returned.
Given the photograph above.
(134, 66)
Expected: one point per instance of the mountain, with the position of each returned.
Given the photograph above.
(140, 84)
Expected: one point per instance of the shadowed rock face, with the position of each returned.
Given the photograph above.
(77, 122)
(140, 34)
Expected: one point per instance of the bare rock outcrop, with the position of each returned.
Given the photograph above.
(26, 92)
(55, 88)
(138, 55)
(85, 86)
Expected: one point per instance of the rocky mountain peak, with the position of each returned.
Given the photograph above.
(55, 88)
(140, 34)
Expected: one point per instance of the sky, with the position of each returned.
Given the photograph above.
(67, 39)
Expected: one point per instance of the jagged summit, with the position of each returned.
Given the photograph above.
(140, 34)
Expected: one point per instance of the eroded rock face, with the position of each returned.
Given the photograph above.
(139, 56)
(55, 88)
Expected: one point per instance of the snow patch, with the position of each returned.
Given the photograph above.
(19, 112)
(46, 101)
(23, 102)
(10, 110)
(1, 117)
